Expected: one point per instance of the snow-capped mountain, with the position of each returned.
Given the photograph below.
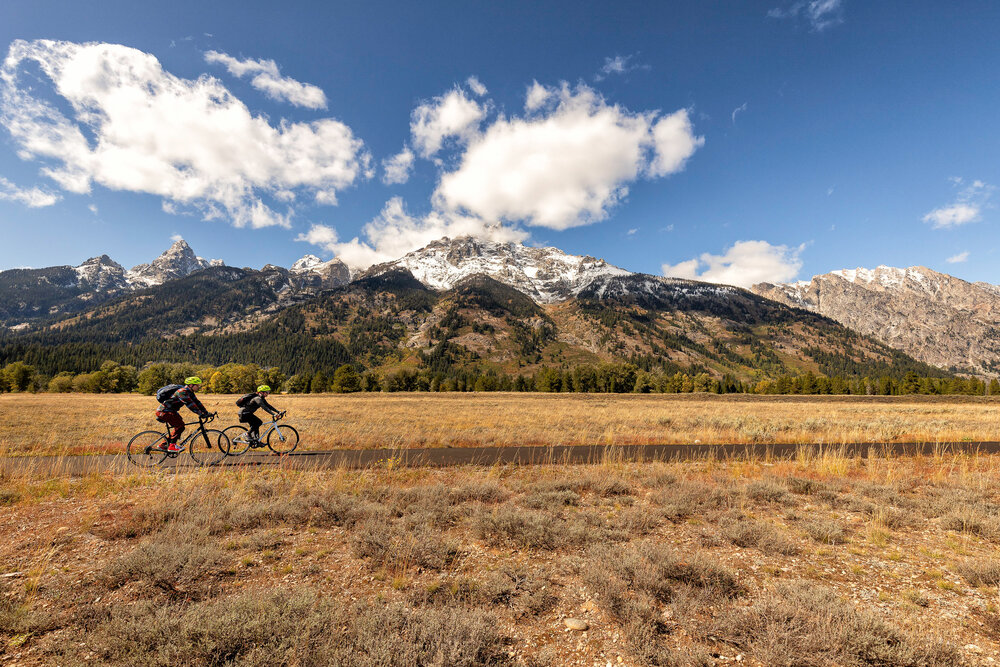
(101, 274)
(176, 262)
(332, 273)
(547, 275)
(935, 317)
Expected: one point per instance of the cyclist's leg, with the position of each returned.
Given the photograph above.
(175, 425)
(254, 422)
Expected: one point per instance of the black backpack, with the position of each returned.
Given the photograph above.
(164, 393)
(243, 400)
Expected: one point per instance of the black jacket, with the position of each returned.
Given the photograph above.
(256, 402)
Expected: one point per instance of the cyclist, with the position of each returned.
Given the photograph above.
(249, 405)
(171, 398)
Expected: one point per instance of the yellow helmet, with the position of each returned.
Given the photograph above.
(194, 379)
(263, 387)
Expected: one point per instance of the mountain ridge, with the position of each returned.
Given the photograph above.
(935, 317)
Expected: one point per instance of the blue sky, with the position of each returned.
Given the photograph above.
(731, 141)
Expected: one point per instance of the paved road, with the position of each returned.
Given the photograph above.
(365, 458)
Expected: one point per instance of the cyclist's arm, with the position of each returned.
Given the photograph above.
(194, 405)
(270, 409)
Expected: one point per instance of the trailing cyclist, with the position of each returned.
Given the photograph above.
(249, 404)
(171, 398)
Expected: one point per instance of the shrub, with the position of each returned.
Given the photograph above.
(168, 560)
(763, 536)
(825, 532)
(295, 627)
(508, 526)
(765, 491)
(390, 546)
(803, 624)
(550, 500)
(980, 572)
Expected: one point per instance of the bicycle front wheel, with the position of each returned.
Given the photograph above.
(143, 451)
(239, 440)
(283, 439)
(208, 447)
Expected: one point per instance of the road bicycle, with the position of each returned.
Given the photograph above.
(279, 438)
(205, 446)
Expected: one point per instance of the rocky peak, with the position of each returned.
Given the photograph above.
(307, 263)
(935, 317)
(102, 274)
(547, 275)
(176, 262)
(314, 272)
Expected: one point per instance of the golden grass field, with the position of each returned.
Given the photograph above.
(86, 423)
(817, 561)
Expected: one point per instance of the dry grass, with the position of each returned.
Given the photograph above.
(73, 424)
(670, 564)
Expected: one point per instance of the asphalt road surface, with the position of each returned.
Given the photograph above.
(487, 456)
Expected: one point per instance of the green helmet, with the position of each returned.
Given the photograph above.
(194, 379)
(263, 387)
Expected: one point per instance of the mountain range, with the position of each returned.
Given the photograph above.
(455, 304)
(934, 317)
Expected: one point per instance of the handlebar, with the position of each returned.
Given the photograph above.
(203, 420)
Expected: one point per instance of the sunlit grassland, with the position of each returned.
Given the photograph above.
(814, 560)
(64, 424)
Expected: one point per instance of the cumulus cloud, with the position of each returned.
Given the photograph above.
(566, 164)
(536, 97)
(821, 14)
(743, 265)
(967, 207)
(959, 258)
(267, 79)
(395, 232)
(30, 197)
(135, 127)
(451, 116)
(397, 168)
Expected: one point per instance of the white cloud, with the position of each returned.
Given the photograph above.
(952, 216)
(176, 237)
(137, 128)
(30, 197)
(397, 168)
(451, 116)
(617, 65)
(476, 86)
(632, 231)
(566, 165)
(967, 207)
(738, 110)
(93, 208)
(744, 264)
(536, 97)
(959, 258)
(394, 233)
(269, 81)
(821, 14)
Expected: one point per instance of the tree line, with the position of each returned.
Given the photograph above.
(115, 378)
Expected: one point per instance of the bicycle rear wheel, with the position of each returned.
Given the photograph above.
(283, 439)
(239, 439)
(209, 447)
(142, 449)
